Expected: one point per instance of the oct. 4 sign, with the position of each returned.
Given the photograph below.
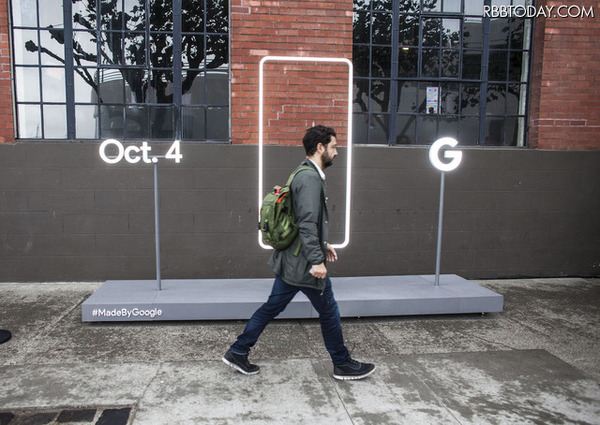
(134, 154)
(454, 156)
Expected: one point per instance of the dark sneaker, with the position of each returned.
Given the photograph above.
(353, 370)
(240, 363)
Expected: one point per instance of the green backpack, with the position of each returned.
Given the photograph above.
(277, 221)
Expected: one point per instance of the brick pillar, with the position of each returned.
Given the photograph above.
(565, 83)
(296, 94)
(7, 130)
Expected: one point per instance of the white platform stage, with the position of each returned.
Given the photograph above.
(230, 299)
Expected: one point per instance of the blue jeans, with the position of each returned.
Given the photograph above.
(281, 295)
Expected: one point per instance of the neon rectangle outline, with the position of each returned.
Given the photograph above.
(349, 137)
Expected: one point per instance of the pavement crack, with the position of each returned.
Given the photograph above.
(343, 404)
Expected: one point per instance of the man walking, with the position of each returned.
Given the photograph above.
(305, 271)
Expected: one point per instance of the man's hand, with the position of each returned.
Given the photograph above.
(319, 271)
(331, 254)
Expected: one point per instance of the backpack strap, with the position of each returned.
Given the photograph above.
(289, 182)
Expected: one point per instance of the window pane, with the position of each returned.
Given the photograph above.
(381, 62)
(135, 49)
(470, 99)
(513, 97)
(217, 88)
(27, 83)
(431, 31)
(192, 16)
(161, 50)
(451, 32)
(84, 15)
(410, 6)
(471, 64)
(55, 51)
(85, 48)
(497, 66)
(432, 5)
(517, 33)
(360, 129)
(496, 99)
(382, 28)
(137, 122)
(110, 85)
(86, 122)
(448, 127)
(449, 95)
(26, 47)
(361, 96)
(194, 87)
(217, 51)
(452, 6)
(86, 85)
(361, 61)
(380, 96)
(517, 68)
(499, 33)
(111, 47)
(409, 30)
(469, 131)
(51, 13)
(379, 129)
(161, 87)
(136, 83)
(407, 97)
(474, 7)
(450, 59)
(161, 122)
(194, 123)
(427, 129)
(217, 16)
(494, 131)
(30, 121)
(408, 62)
(511, 127)
(382, 5)
(111, 122)
(361, 23)
(473, 33)
(406, 127)
(430, 63)
(53, 84)
(192, 50)
(161, 15)
(217, 123)
(24, 13)
(55, 121)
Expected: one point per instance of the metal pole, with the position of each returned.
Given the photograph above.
(439, 238)
(157, 224)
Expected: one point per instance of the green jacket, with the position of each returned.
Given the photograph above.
(309, 198)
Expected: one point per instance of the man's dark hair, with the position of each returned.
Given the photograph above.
(314, 136)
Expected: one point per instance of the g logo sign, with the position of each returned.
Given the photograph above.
(453, 155)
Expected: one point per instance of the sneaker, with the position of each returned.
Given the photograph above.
(240, 363)
(353, 370)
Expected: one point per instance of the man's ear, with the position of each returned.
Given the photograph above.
(320, 148)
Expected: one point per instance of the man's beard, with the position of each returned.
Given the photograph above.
(326, 160)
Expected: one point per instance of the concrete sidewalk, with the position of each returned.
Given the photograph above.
(535, 363)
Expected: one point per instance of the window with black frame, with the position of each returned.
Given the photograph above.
(425, 69)
(137, 69)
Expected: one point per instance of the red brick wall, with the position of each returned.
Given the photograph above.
(296, 94)
(7, 130)
(565, 89)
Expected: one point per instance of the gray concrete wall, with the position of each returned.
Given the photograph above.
(65, 215)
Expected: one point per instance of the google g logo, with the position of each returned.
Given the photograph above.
(454, 156)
